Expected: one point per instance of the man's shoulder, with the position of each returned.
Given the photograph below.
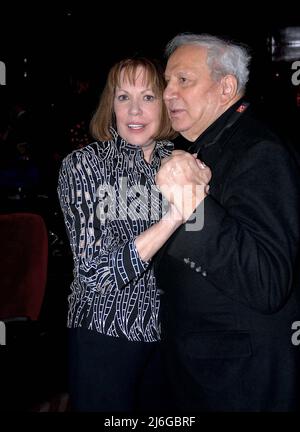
(252, 130)
(254, 139)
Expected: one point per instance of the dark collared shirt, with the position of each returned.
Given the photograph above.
(213, 133)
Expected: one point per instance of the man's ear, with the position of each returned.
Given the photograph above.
(228, 88)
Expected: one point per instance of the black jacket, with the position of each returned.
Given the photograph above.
(229, 288)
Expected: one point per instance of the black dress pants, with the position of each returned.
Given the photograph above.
(113, 374)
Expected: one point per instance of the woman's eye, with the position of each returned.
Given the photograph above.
(149, 98)
(122, 97)
(183, 79)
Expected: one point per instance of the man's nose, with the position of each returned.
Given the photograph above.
(169, 92)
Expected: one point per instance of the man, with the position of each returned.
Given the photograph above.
(229, 298)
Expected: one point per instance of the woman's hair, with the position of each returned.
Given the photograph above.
(104, 116)
(223, 57)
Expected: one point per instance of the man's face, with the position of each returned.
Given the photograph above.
(192, 97)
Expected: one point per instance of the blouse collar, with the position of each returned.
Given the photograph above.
(162, 148)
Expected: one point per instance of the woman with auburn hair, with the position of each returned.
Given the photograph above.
(115, 222)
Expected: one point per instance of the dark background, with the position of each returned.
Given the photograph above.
(69, 51)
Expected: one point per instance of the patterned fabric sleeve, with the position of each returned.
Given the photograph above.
(101, 261)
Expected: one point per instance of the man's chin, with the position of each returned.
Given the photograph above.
(179, 127)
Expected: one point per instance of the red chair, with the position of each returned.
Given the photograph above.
(23, 273)
(23, 265)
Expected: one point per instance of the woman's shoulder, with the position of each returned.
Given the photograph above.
(95, 150)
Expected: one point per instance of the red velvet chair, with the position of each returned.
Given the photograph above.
(23, 265)
(23, 273)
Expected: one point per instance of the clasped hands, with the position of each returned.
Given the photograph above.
(183, 180)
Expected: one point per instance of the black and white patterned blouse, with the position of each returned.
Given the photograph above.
(108, 197)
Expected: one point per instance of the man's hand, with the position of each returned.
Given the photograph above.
(183, 180)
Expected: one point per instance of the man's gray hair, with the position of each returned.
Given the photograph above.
(223, 57)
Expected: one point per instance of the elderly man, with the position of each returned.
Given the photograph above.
(227, 274)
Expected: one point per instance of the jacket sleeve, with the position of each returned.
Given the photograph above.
(103, 261)
(248, 244)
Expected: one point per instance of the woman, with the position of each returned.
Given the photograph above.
(112, 213)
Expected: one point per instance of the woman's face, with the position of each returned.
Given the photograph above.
(137, 110)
